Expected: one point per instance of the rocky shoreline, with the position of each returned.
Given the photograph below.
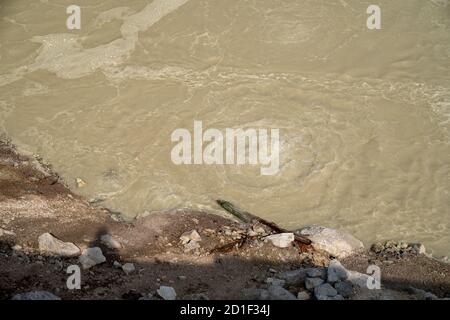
(45, 229)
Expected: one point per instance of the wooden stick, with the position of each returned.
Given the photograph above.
(247, 217)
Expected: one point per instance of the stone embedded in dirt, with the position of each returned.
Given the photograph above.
(117, 264)
(303, 295)
(276, 282)
(110, 241)
(397, 249)
(281, 240)
(128, 268)
(325, 291)
(256, 231)
(344, 288)
(191, 245)
(167, 293)
(311, 283)
(51, 245)
(190, 236)
(316, 273)
(417, 248)
(293, 277)
(336, 272)
(190, 240)
(377, 247)
(91, 257)
(422, 294)
(4, 232)
(338, 243)
(36, 295)
(80, 183)
(279, 293)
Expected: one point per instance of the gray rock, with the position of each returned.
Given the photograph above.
(293, 277)
(281, 240)
(117, 264)
(325, 291)
(279, 293)
(51, 245)
(36, 295)
(110, 241)
(317, 273)
(128, 268)
(336, 272)
(338, 243)
(422, 294)
(311, 283)
(344, 288)
(303, 295)
(91, 257)
(167, 293)
(276, 282)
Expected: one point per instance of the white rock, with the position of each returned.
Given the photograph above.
(128, 268)
(167, 293)
(336, 272)
(36, 295)
(339, 244)
(110, 241)
(279, 293)
(311, 283)
(51, 245)
(281, 240)
(91, 257)
(190, 236)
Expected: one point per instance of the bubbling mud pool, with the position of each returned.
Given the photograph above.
(363, 115)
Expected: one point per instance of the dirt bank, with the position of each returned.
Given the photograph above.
(34, 201)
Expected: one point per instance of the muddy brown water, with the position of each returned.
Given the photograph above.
(364, 115)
